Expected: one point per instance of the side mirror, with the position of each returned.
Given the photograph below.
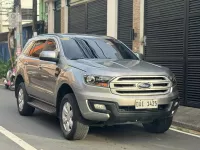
(49, 56)
(140, 56)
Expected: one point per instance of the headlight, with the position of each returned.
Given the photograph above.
(101, 81)
(173, 80)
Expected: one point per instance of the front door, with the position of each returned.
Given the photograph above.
(48, 72)
(32, 63)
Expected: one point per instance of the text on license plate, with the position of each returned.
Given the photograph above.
(146, 104)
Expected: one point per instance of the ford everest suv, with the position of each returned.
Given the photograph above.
(90, 80)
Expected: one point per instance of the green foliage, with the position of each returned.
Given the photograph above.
(4, 67)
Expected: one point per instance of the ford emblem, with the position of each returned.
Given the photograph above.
(144, 85)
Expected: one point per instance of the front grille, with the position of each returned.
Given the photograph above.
(130, 85)
(132, 108)
(124, 85)
(141, 78)
(139, 92)
(160, 84)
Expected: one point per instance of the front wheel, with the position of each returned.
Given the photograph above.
(71, 123)
(158, 126)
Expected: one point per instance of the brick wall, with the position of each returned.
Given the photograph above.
(136, 24)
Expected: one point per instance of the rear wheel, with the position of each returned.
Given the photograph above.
(22, 99)
(158, 126)
(70, 119)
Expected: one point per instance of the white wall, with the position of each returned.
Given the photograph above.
(141, 25)
(8, 5)
(112, 18)
(65, 20)
(50, 16)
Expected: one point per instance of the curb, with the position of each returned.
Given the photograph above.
(186, 125)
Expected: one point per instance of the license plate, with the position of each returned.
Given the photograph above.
(146, 104)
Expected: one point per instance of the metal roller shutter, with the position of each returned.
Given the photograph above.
(193, 54)
(90, 17)
(57, 16)
(125, 21)
(164, 29)
(97, 17)
(172, 29)
(77, 19)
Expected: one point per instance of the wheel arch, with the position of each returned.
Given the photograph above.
(62, 91)
(19, 79)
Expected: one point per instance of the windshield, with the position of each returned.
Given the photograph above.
(80, 48)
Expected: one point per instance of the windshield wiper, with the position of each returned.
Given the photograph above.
(76, 58)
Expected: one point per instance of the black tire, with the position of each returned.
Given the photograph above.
(27, 110)
(79, 130)
(158, 126)
(12, 87)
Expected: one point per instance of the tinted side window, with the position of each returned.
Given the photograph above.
(37, 48)
(50, 45)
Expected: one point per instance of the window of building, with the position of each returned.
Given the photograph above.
(58, 5)
(26, 14)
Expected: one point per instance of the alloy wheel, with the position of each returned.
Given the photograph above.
(67, 115)
(21, 99)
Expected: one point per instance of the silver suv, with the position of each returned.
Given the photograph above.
(93, 80)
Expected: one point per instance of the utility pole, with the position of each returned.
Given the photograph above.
(1, 16)
(19, 40)
(34, 16)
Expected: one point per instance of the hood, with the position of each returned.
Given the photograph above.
(121, 67)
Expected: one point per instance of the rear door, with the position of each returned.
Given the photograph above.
(48, 71)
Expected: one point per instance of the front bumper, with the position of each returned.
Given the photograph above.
(116, 103)
(123, 114)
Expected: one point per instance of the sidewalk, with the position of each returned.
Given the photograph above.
(187, 117)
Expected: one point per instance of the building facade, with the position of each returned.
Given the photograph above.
(104, 17)
(166, 32)
(6, 6)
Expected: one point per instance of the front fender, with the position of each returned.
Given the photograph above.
(72, 77)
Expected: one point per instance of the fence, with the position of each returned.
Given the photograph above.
(4, 53)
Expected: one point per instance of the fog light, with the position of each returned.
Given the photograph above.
(100, 106)
(176, 104)
(173, 112)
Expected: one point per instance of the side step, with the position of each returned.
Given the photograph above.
(43, 106)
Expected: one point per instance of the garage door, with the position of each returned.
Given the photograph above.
(125, 22)
(193, 53)
(173, 40)
(90, 18)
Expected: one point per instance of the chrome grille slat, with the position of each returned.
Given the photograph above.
(136, 81)
(128, 85)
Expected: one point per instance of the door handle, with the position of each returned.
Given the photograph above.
(132, 34)
(57, 72)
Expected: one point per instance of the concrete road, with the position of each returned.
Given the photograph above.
(43, 133)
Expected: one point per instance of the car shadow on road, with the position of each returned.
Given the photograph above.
(125, 131)
(118, 132)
